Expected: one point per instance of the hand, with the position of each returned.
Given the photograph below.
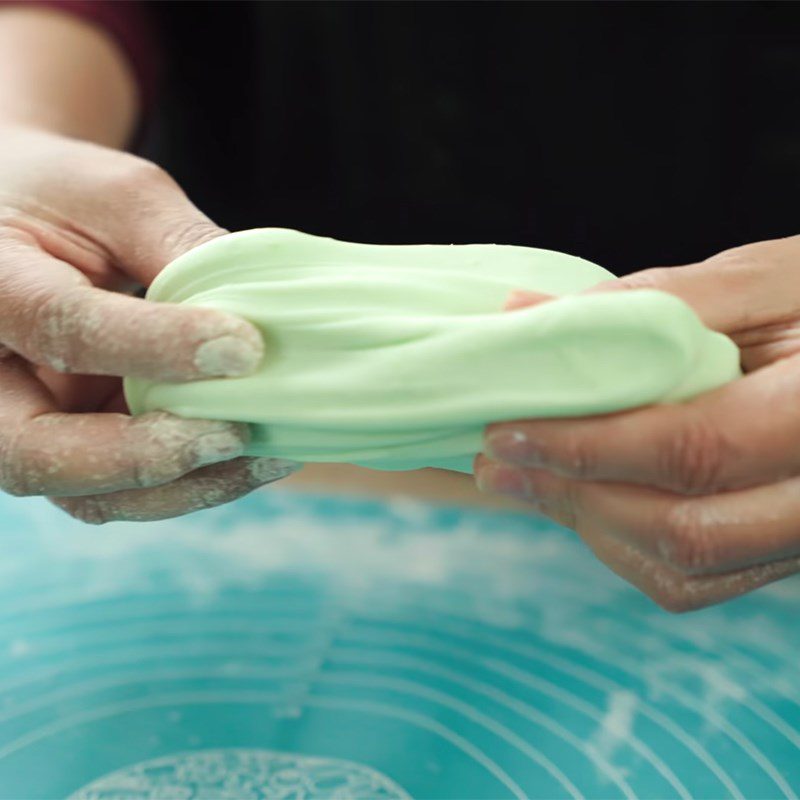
(79, 226)
(692, 503)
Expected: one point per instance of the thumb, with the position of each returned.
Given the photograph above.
(50, 314)
(145, 220)
(151, 223)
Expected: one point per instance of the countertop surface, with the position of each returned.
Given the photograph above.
(310, 645)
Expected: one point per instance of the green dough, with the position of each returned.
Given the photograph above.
(396, 357)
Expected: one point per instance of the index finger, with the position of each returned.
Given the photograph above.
(742, 434)
(53, 316)
(45, 451)
(734, 290)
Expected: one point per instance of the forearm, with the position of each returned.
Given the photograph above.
(64, 75)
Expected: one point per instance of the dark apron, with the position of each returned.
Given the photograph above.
(630, 134)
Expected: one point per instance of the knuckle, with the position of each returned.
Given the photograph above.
(693, 456)
(561, 501)
(141, 474)
(186, 234)
(14, 488)
(85, 509)
(129, 184)
(569, 511)
(19, 482)
(149, 172)
(136, 186)
(745, 258)
(742, 269)
(744, 264)
(687, 542)
(131, 173)
(159, 466)
(18, 470)
(162, 447)
(13, 232)
(653, 278)
(676, 600)
(54, 324)
(675, 593)
(579, 456)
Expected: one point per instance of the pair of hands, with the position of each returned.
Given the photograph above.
(692, 503)
(80, 226)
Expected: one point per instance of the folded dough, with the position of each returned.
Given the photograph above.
(396, 357)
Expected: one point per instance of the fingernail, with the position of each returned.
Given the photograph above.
(513, 447)
(268, 470)
(519, 298)
(228, 357)
(211, 448)
(502, 479)
(522, 298)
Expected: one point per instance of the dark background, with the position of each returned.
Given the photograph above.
(631, 134)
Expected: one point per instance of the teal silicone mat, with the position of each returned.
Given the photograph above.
(295, 646)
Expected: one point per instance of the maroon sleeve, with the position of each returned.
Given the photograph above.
(130, 23)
